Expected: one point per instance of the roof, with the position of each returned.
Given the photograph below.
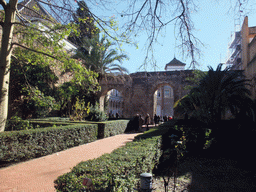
(31, 9)
(174, 62)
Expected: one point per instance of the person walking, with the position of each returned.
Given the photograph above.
(147, 121)
(117, 115)
(155, 119)
(141, 120)
(136, 123)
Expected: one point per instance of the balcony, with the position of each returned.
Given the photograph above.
(235, 39)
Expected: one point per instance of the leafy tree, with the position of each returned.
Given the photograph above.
(218, 92)
(86, 27)
(195, 79)
(80, 88)
(29, 81)
(39, 49)
(102, 58)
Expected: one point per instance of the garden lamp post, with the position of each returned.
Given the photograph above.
(146, 182)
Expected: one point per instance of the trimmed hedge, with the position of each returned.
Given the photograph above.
(118, 171)
(36, 124)
(16, 146)
(111, 128)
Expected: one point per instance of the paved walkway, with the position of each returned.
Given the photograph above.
(38, 175)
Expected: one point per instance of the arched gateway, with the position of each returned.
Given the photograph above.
(141, 93)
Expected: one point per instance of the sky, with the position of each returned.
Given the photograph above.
(214, 23)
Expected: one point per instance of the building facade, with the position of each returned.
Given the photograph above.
(242, 53)
(164, 95)
(148, 92)
(115, 103)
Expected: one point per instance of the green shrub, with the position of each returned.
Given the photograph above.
(36, 104)
(15, 123)
(80, 110)
(18, 146)
(96, 114)
(110, 128)
(118, 171)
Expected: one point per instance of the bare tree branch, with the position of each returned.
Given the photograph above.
(3, 3)
(23, 19)
(34, 11)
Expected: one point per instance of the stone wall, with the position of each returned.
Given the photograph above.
(138, 90)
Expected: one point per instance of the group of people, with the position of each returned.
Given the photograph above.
(157, 119)
(167, 118)
(111, 115)
(139, 121)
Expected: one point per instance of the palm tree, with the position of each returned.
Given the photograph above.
(218, 92)
(101, 58)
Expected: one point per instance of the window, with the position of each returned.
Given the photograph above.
(166, 93)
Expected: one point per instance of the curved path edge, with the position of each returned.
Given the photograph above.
(38, 175)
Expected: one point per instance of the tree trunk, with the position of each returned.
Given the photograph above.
(5, 59)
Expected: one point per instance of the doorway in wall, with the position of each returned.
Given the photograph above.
(113, 104)
(163, 101)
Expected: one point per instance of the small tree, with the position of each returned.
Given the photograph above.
(216, 93)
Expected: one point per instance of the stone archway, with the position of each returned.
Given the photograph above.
(114, 99)
(139, 90)
(163, 100)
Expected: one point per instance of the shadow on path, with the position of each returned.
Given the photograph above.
(216, 174)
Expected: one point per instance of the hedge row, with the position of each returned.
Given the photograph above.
(110, 128)
(16, 146)
(106, 129)
(118, 171)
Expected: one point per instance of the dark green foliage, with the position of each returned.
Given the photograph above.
(25, 74)
(77, 91)
(218, 92)
(31, 87)
(132, 125)
(15, 123)
(195, 79)
(118, 171)
(52, 119)
(96, 114)
(192, 133)
(36, 104)
(110, 128)
(17, 146)
(104, 59)
(86, 27)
